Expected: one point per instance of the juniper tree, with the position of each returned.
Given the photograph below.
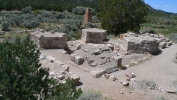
(23, 78)
(119, 16)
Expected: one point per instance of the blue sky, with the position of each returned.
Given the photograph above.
(165, 5)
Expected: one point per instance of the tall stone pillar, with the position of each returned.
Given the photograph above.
(87, 16)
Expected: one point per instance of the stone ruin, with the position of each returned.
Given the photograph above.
(98, 57)
(93, 35)
(138, 45)
(49, 40)
(87, 16)
(141, 43)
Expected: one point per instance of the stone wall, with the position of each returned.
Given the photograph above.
(142, 43)
(50, 40)
(132, 43)
(87, 16)
(93, 35)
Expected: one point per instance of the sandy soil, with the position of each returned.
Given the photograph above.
(160, 70)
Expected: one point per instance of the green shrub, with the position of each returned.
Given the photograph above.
(5, 26)
(173, 37)
(90, 25)
(31, 24)
(23, 78)
(37, 12)
(79, 10)
(151, 31)
(91, 95)
(27, 10)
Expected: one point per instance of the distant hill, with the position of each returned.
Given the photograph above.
(61, 5)
(160, 13)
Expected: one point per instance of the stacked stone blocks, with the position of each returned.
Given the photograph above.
(87, 16)
(93, 35)
(48, 40)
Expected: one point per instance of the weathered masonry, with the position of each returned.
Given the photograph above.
(93, 35)
(50, 40)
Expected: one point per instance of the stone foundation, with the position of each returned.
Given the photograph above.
(93, 35)
(138, 45)
(49, 40)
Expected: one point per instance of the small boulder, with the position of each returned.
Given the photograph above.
(162, 45)
(52, 73)
(169, 43)
(130, 75)
(125, 83)
(51, 59)
(106, 76)
(42, 57)
(79, 60)
(79, 46)
(72, 57)
(75, 77)
(65, 67)
(61, 77)
(111, 46)
(89, 60)
(114, 78)
(97, 74)
(121, 92)
(151, 35)
(93, 64)
(133, 79)
(96, 52)
(63, 72)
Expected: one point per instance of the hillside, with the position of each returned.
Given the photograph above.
(61, 5)
(159, 13)
(58, 5)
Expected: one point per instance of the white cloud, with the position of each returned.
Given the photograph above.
(167, 5)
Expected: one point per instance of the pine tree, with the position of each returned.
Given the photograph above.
(23, 78)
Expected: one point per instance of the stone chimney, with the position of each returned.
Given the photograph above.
(87, 16)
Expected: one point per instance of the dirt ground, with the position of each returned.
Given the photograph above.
(154, 77)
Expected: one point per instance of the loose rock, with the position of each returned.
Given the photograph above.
(162, 45)
(96, 52)
(125, 83)
(97, 74)
(65, 67)
(61, 77)
(79, 60)
(75, 77)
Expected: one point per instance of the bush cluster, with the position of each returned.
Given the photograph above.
(80, 10)
(31, 24)
(5, 26)
(92, 95)
(27, 10)
(30, 19)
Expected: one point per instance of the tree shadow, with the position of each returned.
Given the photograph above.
(123, 68)
(157, 53)
(106, 40)
(68, 51)
(79, 83)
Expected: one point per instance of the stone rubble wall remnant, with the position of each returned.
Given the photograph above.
(48, 40)
(141, 43)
